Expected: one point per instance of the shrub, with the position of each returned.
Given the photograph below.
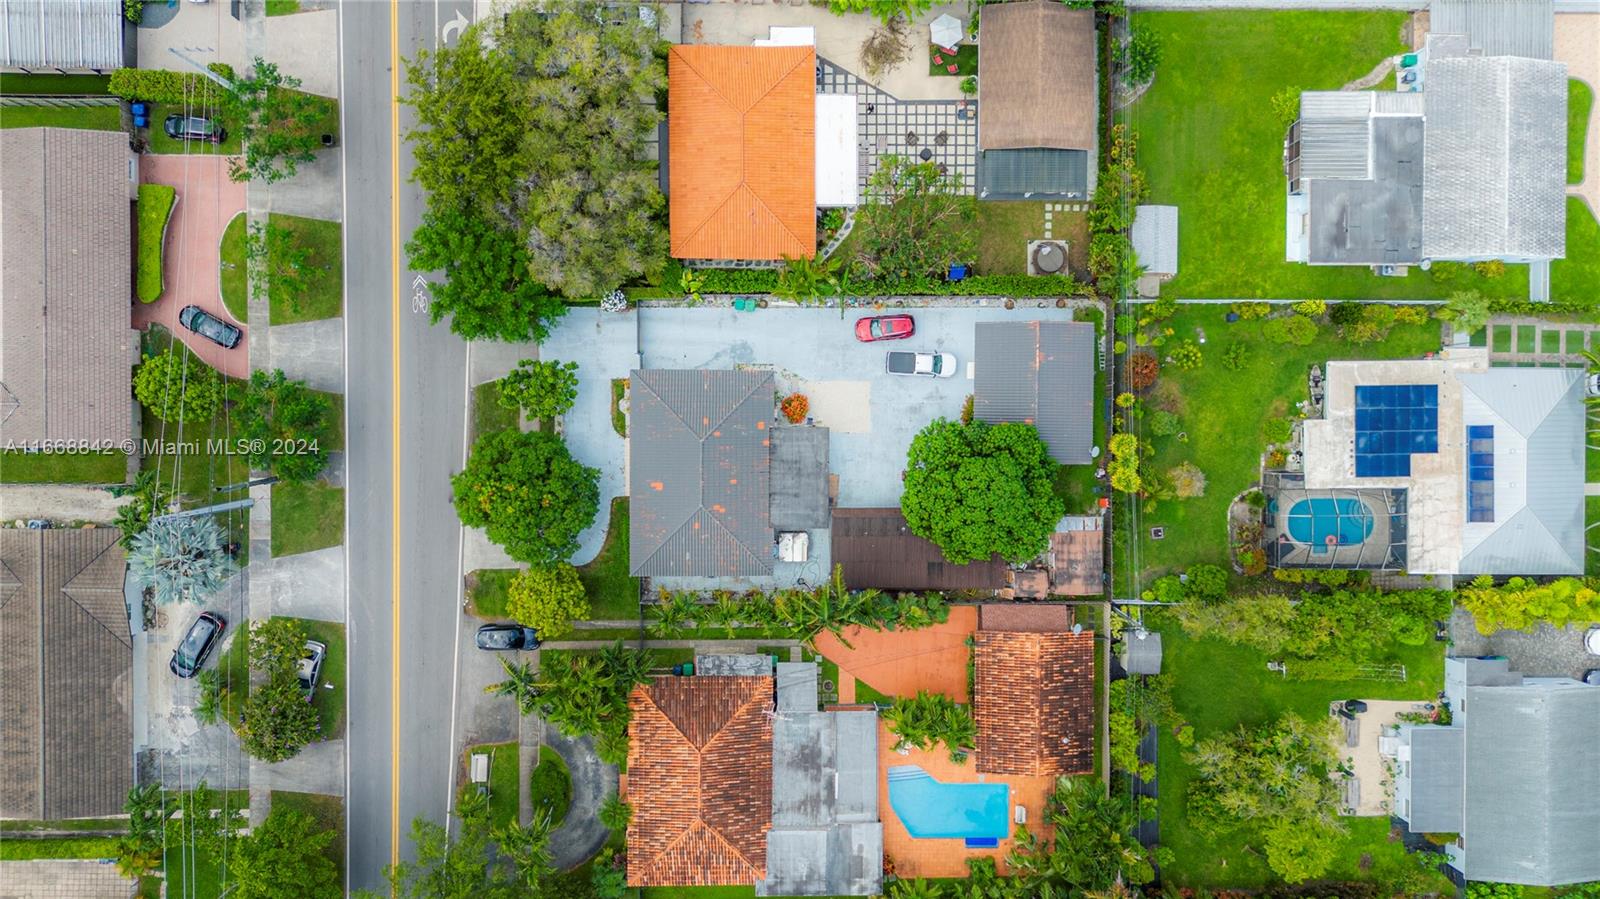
(550, 786)
(1467, 310)
(1207, 581)
(285, 420)
(166, 86)
(929, 718)
(547, 599)
(1277, 430)
(1411, 314)
(543, 389)
(615, 813)
(1294, 329)
(1522, 603)
(1186, 355)
(1235, 356)
(1163, 308)
(1163, 423)
(1140, 56)
(174, 387)
(1126, 325)
(794, 407)
(1490, 268)
(967, 409)
(1249, 310)
(1276, 458)
(155, 205)
(969, 85)
(1286, 106)
(1376, 320)
(1311, 308)
(1119, 347)
(1124, 465)
(1252, 561)
(1125, 400)
(1188, 481)
(1345, 313)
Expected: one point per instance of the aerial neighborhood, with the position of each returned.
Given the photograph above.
(700, 449)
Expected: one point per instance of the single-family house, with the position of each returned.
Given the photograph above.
(1033, 691)
(62, 36)
(1039, 373)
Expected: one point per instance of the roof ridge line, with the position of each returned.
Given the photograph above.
(663, 545)
(779, 219)
(75, 601)
(723, 839)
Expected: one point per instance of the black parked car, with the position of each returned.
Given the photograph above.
(210, 327)
(505, 637)
(189, 127)
(197, 644)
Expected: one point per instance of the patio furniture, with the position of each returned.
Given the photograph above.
(926, 154)
(911, 138)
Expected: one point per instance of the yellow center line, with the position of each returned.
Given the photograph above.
(394, 347)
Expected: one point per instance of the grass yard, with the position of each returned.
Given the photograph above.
(504, 782)
(235, 277)
(161, 143)
(306, 517)
(327, 811)
(1591, 508)
(619, 419)
(965, 61)
(282, 7)
(323, 296)
(155, 207)
(488, 416)
(329, 703)
(1577, 277)
(1221, 686)
(25, 826)
(17, 849)
(18, 467)
(234, 666)
(613, 593)
(1222, 412)
(1210, 146)
(1580, 103)
(1005, 227)
(92, 118)
(550, 785)
(61, 85)
(486, 592)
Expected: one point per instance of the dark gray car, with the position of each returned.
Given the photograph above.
(507, 637)
(197, 643)
(210, 327)
(189, 127)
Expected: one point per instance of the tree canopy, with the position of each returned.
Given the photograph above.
(977, 489)
(284, 422)
(918, 223)
(174, 386)
(543, 389)
(284, 859)
(179, 559)
(529, 493)
(277, 121)
(548, 599)
(487, 290)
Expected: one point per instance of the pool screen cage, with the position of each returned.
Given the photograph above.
(1383, 549)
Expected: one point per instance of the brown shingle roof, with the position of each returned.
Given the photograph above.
(741, 140)
(1034, 702)
(876, 548)
(66, 735)
(65, 259)
(700, 781)
(1040, 618)
(1036, 77)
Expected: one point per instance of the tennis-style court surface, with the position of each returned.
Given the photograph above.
(899, 663)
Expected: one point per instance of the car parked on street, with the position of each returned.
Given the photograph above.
(932, 365)
(507, 637)
(197, 643)
(309, 669)
(1591, 640)
(210, 327)
(885, 327)
(190, 127)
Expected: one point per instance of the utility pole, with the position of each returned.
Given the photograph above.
(203, 70)
(258, 482)
(207, 510)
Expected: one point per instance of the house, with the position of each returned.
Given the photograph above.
(67, 346)
(66, 739)
(60, 36)
(1038, 101)
(1039, 373)
(1523, 28)
(1441, 465)
(1513, 775)
(1033, 691)
(874, 548)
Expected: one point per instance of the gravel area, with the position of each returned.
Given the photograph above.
(1543, 652)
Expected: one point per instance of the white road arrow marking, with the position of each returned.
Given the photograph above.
(456, 24)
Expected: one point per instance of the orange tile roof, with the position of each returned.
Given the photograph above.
(741, 151)
(1034, 702)
(700, 781)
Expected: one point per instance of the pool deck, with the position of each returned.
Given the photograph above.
(899, 663)
(948, 857)
(1368, 553)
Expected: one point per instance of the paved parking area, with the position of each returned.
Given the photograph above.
(1543, 652)
(811, 345)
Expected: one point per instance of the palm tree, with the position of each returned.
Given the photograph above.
(528, 847)
(521, 684)
(803, 280)
(673, 614)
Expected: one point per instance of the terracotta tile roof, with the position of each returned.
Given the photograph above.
(741, 151)
(700, 781)
(1040, 618)
(1034, 702)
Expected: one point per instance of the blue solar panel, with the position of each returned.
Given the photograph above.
(1393, 421)
(1480, 472)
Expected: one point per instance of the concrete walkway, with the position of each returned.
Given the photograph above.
(312, 352)
(59, 503)
(318, 768)
(309, 585)
(1554, 343)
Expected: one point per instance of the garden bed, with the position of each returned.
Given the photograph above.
(155, 210)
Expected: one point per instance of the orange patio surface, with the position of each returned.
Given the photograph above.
(899, 663)
(948, 858)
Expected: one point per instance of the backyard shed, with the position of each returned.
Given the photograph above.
(1142, 652)
(1039, 373)
(1155, 239)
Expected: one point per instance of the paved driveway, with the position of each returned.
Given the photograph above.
(814, 351)
(1545, 651)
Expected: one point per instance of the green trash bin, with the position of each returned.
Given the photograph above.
(1408, 60)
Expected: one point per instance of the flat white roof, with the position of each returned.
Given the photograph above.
(837, 156)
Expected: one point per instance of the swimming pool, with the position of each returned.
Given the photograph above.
(1313, 521)
(930, 809)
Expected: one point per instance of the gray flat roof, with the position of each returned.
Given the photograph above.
(1376, 221)
(826, 839)
(797, 686)
(1155, 238)
(799, 477)
(1498, 27)
(1040, 373)
(1436, 773)
(61, 34)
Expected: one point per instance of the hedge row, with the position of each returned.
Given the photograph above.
(155, 204)
(765, 281)
(166, 86)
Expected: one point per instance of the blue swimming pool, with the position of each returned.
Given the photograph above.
(930, 809)
(1313, 521)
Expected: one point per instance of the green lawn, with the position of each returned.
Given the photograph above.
(966, 60)
(155, 207)
(282, 7)
(234, 665)
(93, 118)
(18, 467)
(328, 811)
(1005, 227)
(1218, 688)
(25, 826)
(306, 517)
(550, 785)
(619, 419)
(1580, 103)
(504, 783)
(64, 85)
(1210, 145)
(1577, 277)
(1591, 507)
(613, 594)
(329, 703)
(486, 592)
(323, 296)
(488, 416)
(1223, 411)
(16, 849)
(161, 143)
(235, 277)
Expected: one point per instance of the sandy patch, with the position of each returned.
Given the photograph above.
(843, 406)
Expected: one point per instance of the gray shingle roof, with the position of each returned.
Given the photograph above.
(1436, 772)
(1532, 775)
(1043, 373)
(66, 340)
(699, 472)
(1494, 171)
(1538, 417)
(66, 736)
(826, 839)
(1498, 27)
(61, 34)
(799, 477)
(1155, 238)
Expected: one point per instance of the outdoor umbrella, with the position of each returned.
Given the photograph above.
(946, 31)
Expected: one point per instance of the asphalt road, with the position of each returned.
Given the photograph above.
(405, 419)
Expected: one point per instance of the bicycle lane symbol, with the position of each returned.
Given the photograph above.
(420, 298)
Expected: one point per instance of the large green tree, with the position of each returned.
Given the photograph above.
(919, 222)
(277, 721)
(548, 599)
(175, 386)
(528, 492)
(283, 859)
(980, 489)
(277, 121)
(461, 867)
(1093, 844)
(488, 290)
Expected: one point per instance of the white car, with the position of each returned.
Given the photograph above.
(931, 365)
(1591, 640)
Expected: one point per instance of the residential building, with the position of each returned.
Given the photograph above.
(1038, 102)
(1033, 691)
(1441, 465)
(1514, 775)
(66, 738)
(1039, 373)
(874, 548)
(60, 36)
(67, 346)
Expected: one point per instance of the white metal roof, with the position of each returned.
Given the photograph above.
(837, 155)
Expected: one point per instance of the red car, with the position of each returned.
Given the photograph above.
(885, 327)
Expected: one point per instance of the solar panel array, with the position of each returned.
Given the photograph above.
(1480, 472)
(1393, 421)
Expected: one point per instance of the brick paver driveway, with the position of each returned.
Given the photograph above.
(207, 201)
